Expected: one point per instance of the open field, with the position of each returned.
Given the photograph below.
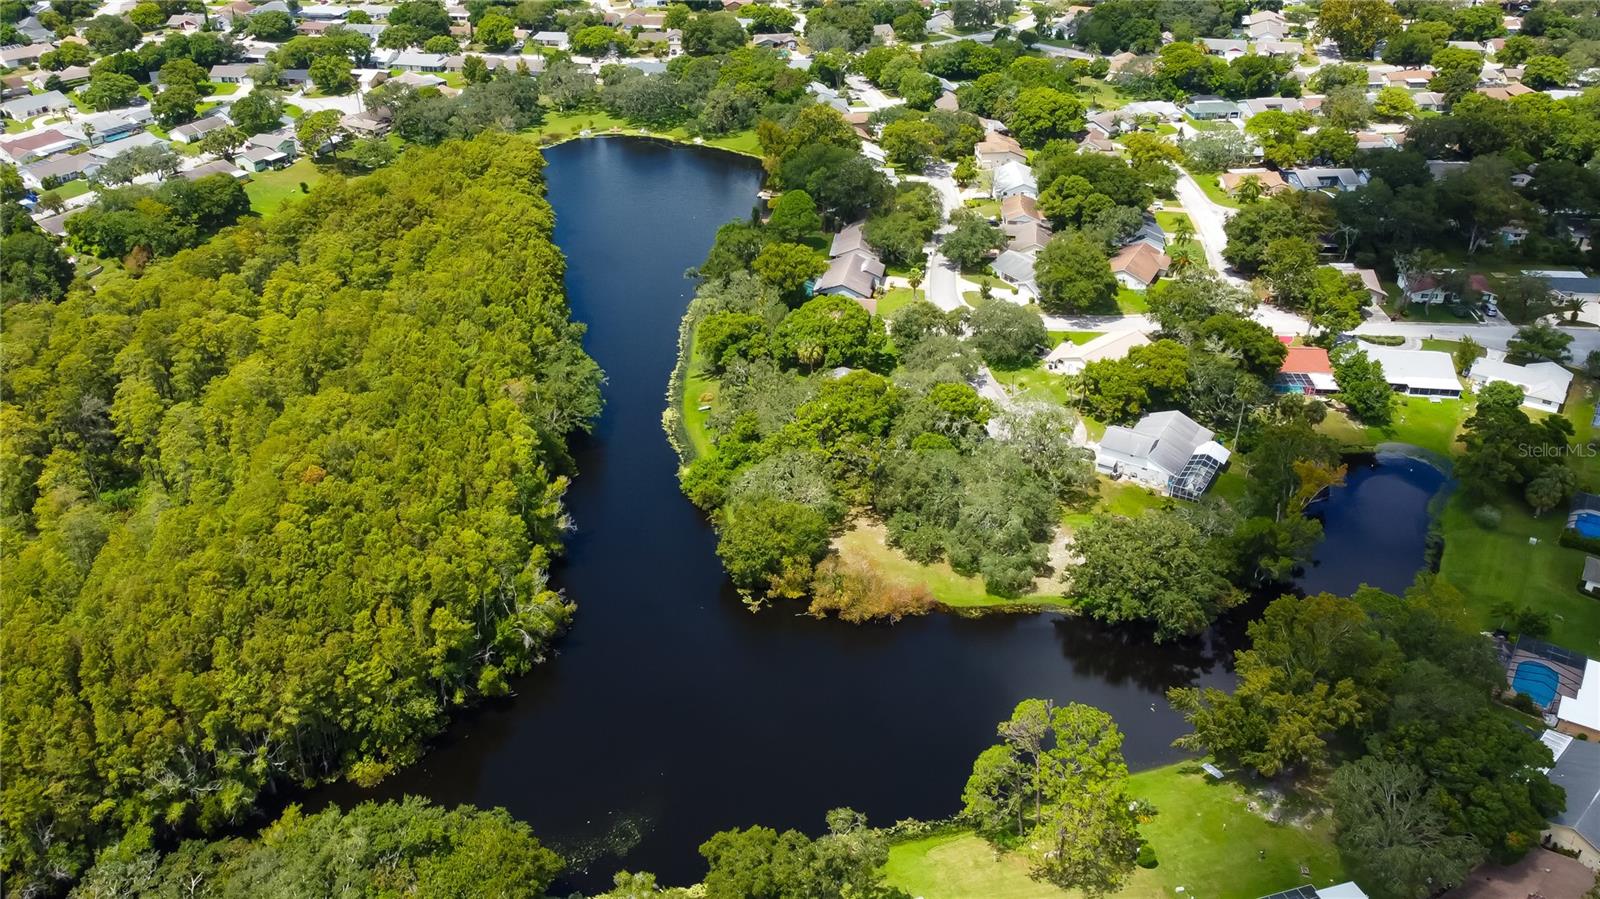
(1207, 841)
(269, 190)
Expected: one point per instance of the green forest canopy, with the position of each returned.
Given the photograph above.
(277, 505)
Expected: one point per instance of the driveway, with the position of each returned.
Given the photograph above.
(1209, 219)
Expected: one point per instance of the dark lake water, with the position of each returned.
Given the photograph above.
(670, 711)
(1375, 527)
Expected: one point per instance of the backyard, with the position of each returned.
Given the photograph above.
(269, 190)
(1207, 839)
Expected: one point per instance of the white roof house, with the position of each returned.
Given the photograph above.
(1070, 358)
(1015, 268)
(1167, 451)
(1583, 710)
(35, 104)
(1011, 178)
(1544, 384)
(1417, 372)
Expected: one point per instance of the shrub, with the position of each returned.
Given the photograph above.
(1487, 517)
(1146, 857)
(1574, 540)
(1381, 339)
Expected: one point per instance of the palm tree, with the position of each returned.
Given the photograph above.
(1183, 231)
(1181, 257)
(1249, 190)
(915, 278)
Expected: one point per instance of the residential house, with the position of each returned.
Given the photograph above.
(261, 159)
(31, 28)
(1138, 265)
(1507, 92)
(556, 39)
(1070, 358)
(948, 101)
(1270, 181)
(324, 12)
(1149, 233)
(13, 86)
(1249, 108)
(648, 21)
(1569, 284)
(1225, 48)
(1417, 372)
(1212, 109)
(1019, 209)
(940, 22)
(1026, 237)
(1369, 280)
(106, 127)
(1430, 287)
(1591, 575)
(1544, 384)
(851, 238)
(214, 167)
(1166, 451)
(38, 145)
(24, 108)
(416, 61)
(59, 169)
(72, 76)
(194, 131)
(998, 149)
(1291, 49)
(230, 73)
(776, 41)
(1429, 101)
(1374, 140)
(187, 22)
(113, 149)
(25, 55)
(1094, 143)
(1012, 178)
(1266, 25)
(1411, 79)
(373, 122)
(1576, 830)
(857, 274)
(883, 34)
(294, 77)
(1016, 268)
(1305, 370)
(1115, 65)
(1320, 178)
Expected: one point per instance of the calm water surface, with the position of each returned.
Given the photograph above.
(1375, 527)
(670, 712)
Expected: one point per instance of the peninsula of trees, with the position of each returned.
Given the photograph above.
(276, 506)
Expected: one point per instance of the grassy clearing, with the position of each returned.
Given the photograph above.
(1506, 565)
(77, 187)
(1169, 220)
(1432, 426)
(1213, 188)
(1117, 498)
(867, 543)
(562, 126)
(1034, 384)
(1078, 337)
(1206, 838)
(1132, 302)
(896, 299)
(1099, 94)
(268, 191)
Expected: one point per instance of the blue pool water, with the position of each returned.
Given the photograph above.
(1537, 680)
(1587, 524)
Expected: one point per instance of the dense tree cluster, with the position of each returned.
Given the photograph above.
(1117, 25)
(1056, 783)
(32, 267)
(1433, 780)
(394, 848)
(275, 507)
(139, 222)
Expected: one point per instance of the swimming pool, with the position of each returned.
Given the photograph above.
(1536, 679)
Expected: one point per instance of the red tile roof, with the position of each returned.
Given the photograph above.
(1307, 360)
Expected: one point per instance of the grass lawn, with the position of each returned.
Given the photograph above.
(1078, 337)
(1425, 312)
(15, 127)
(293, 111)
(1099, 94)
(1131, 302)
(1501, 565)
(1432, 426)
(1491, 567)
(1205, 837)
(985, 208)
(1442, 346)
(221, 88)
(560, 126)
(896, 299)
(1034, 384)
(1169, 220)
(995, 284)
(867, 542)
(1213, 189)
(698, 391)
(269, 190)
(77, 187)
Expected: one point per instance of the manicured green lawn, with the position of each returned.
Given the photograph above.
(1491, 567)
(698, 391)
(1078, 337)
(1117, 498)
(896, 299)
(221, 89)
(1034, 384)
(1169, 220)
(269, 190)
(1099, 94)
(77, 187)
(1131, 302)
(1442, 346)
(560, 126)
(1432, 426)
(866, 543)
(985, 208)
(1213, 189)
(1206, 839)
